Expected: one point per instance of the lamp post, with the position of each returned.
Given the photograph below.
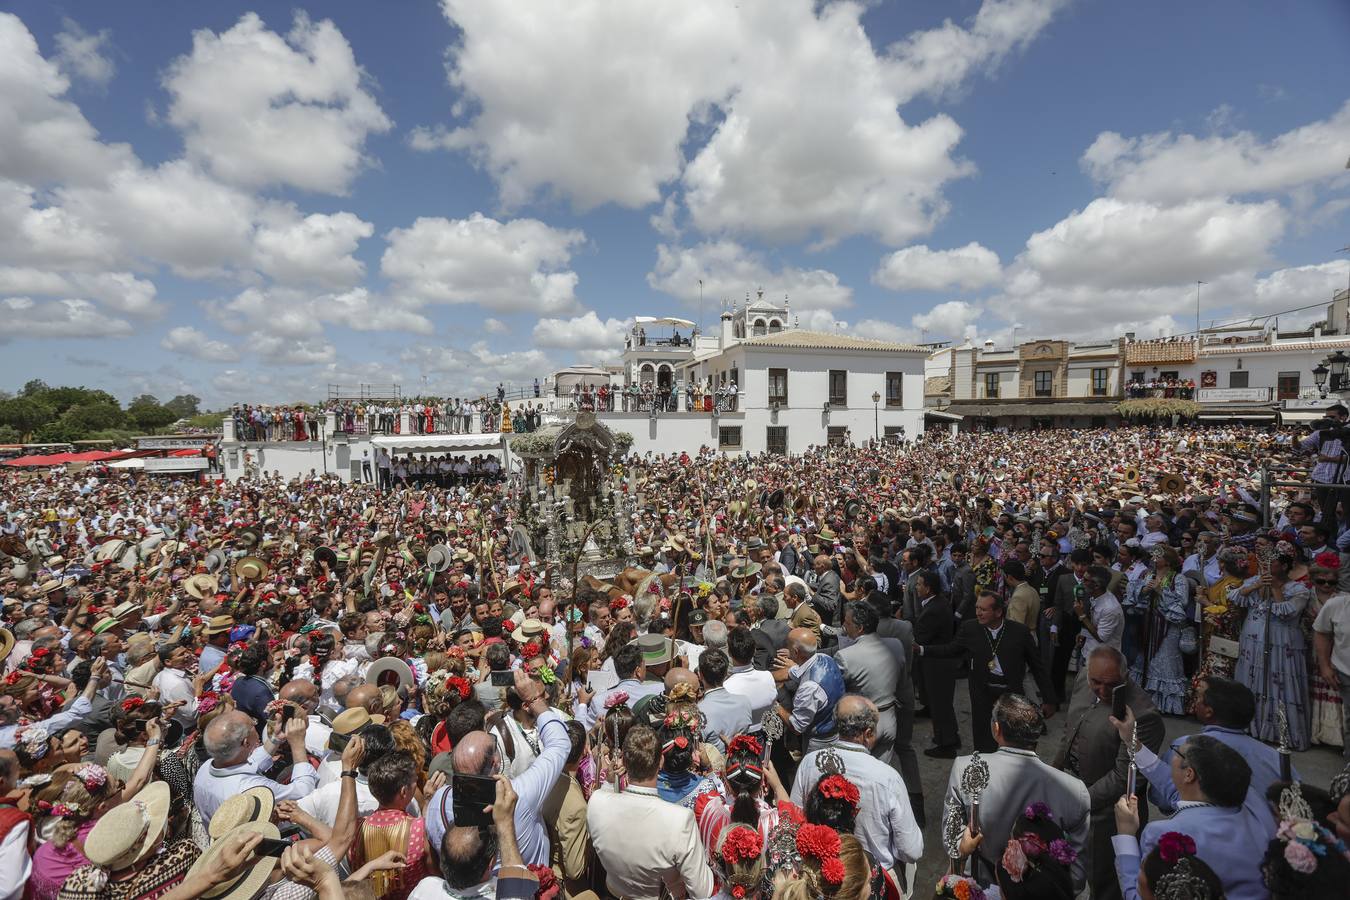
(1319, 374)
(876, 416)
(1337, 363)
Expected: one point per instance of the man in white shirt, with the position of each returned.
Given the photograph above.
(176, 686)
(647, 845)
(1205, 559)
(755, 685)
(885, 823)
(237, 755)
(1105, 622)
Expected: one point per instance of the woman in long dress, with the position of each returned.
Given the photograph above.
(1272, 654)
(1159, 667)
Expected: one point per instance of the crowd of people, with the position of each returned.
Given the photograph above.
(649, 396)
(421, 415)
(282, 689)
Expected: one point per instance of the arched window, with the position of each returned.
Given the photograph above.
(775, 326)
(647, 374)
(760, 328)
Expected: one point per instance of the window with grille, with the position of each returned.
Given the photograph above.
(729, 437)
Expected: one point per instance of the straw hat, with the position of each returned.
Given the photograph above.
(219, 624)
(201, 586)
(253, 805)
(529, 629)
(250, 568)
(128, 832)
(6, 643)
(251, 879)
(748, 570)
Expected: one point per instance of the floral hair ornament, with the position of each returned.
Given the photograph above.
(35, 740)
(1038, 812)
(546, 674)
(1182, 883)
(132, 703)
(207, 702)
(745, 743)
(1173, 845)
(958, 887)
(530, 650)
(837, 787)
(617, 698)
(460, 686)
(1327, 560)
(92, 776)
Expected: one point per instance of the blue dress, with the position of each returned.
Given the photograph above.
(1286, 683)
(1166, 680)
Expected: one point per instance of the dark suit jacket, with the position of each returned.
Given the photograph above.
(770, 637)
(933, 622)
(1017, 655)
(1102, 759)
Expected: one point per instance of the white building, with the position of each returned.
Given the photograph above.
(1248, 373)
(764, 385)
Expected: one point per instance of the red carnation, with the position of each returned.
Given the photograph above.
(832, 870)
(530, 651)
(1173, 845)
(818, 841)
(132, 703)
(741, 845)
(837, 787)
(738, 891)
(747, 743)
(460, 686)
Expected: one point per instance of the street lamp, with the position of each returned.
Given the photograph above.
(876, 416)
(1319, 374)
(1337, 362)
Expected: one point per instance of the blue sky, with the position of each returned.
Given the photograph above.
(249, 202)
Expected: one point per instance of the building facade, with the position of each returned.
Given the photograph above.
(1042, 383)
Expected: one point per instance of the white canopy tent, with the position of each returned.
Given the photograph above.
(662, 321)
(438, 443)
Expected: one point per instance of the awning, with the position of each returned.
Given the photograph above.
(1034, 410)
(136, 462)
(665, 320)
(60, 459)
(1239, 417)
(1301, 415)
(943, 416)
(438, 443)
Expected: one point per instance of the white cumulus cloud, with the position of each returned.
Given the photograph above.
(84, 55)
(193, 343)
(515, 266)
(585, 332)
(257, 108)
(729, 270)
(918, 268)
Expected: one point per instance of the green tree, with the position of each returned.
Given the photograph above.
(10, 435)
(185, 406)
(92, 416)
(149, 414)
(25, 414)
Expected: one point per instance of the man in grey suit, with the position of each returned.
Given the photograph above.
(873, 670)
(725, 714)
(1092, 750)
(891, 629)
(1017, 779)
(828, 589)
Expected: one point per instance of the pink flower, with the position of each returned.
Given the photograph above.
(1014, 860)
(615, 699)
(1300, 858)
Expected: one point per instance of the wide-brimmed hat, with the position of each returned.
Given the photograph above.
(169, 548)
(528, 629)
(386, 669)
(656, 649)
(219, 624)
(250, 568)
(201, 586)
(128, 832)
(216, 560)
(439, 558)
(251, 879)
(253, 805)
(747, 570)
(6, 643)
(351, 721)
(248, 537)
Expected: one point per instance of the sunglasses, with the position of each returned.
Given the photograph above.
(1325, 581)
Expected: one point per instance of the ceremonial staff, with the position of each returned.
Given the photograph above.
(974, 781)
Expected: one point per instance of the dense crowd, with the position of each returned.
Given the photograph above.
(273, 689)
